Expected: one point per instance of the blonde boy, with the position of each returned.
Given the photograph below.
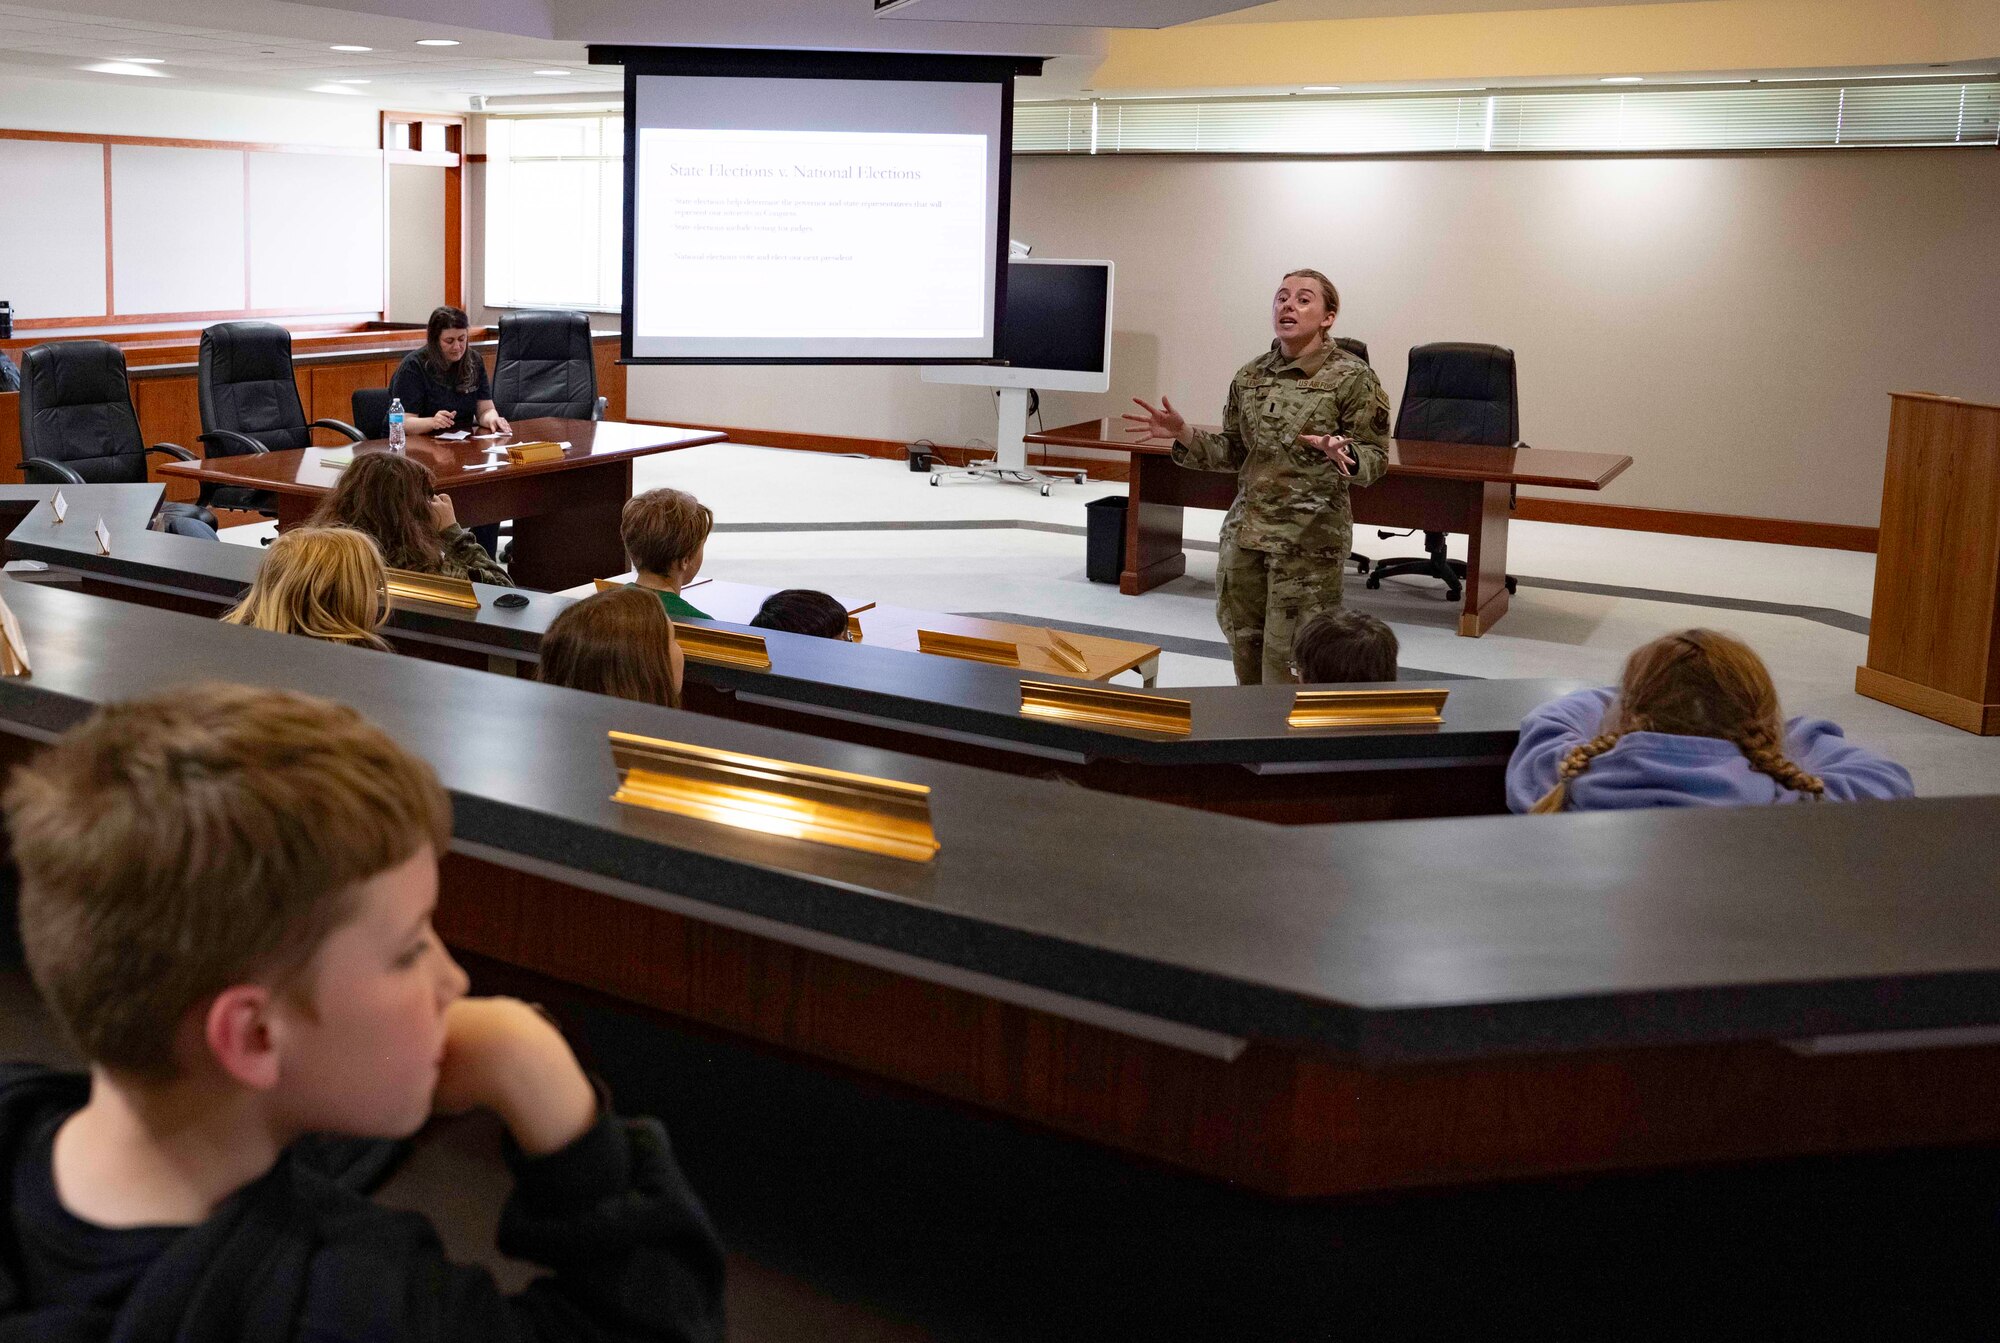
(226, 897)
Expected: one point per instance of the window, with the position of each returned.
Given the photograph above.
(555, 189)
(1664, 120)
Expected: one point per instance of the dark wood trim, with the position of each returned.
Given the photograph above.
(220, 314)
(894, 449)
(1721, 526)
(161, 142)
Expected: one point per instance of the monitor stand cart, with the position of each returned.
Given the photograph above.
(1010, 459)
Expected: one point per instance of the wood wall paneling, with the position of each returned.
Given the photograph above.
(334, 386)
(170, 412)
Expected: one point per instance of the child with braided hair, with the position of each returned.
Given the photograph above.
(1693, 723)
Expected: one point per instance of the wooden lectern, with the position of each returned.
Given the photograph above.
(1934, 638)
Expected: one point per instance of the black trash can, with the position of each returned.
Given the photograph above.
(1104, 551)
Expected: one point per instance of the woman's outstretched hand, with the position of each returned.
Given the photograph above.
(1334, 446)
(1161, 421)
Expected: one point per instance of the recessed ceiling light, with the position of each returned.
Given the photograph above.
(1623, 79)
(348, 46)
(336, 88)
(1322, 88)
(551, 72)
(437, 41)
(125, 68)
(142, 60)
(350, 81)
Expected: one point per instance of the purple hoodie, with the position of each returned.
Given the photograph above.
(1660, 769)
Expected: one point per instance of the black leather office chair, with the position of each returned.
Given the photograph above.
(78, 426)
(250, 403)
(371, 411)
(1456, 393)
(544, 367)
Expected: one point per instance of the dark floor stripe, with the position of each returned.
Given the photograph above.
(1819, 615)
(1172, 643)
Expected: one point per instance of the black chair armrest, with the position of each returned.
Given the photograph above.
(229, 438)
(42, 471)
(174, 450)
(341, 427)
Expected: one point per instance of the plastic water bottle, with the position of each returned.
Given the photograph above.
(396, 425)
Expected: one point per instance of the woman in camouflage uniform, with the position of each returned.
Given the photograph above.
(1304, 423)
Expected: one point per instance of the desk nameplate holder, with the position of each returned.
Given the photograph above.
(406, 585)
(1367, 708)
(854, 622)
(519, 454)
(998, 652)
(1108, 707)
(103, 535)
(727, 646)
(1068, 655)
(885, 817)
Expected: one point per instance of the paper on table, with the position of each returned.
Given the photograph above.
(455, 436)
(59, 506)
(103, 537)
(490, 435)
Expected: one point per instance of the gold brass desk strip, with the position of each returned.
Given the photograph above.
(432, 589)
(540, 451)
(996, 651)
(1367, 708)
(776, 797)
(730, 646)
(1113, 708)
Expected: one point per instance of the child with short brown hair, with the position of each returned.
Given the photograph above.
(1694, 722)
(1343, 645)
(665, 533)
(226, 897)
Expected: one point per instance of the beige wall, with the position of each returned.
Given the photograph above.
(1733, 323)
(1582, 43)
(416, 241)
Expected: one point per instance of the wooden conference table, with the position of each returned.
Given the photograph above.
(1434, 487)
(565, 511)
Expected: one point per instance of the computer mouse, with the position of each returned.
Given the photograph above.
(510, 599)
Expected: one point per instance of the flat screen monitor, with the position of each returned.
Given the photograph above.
(1055, 334)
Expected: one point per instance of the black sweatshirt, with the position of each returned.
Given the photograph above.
(295, 1256)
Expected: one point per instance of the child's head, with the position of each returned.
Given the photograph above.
(1697, 683)
(387, 496)
(618, 642)
(664, 532)
(1336, 646)
(802, 611)
(232, 888)
(322, 582)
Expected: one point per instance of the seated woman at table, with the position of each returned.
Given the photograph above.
(395, 501)
(444, 386)
(322, 582)
(1694, 723)
(618, 642)
(665, 533)
(802, 611)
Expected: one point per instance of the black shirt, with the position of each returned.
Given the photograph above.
(64, 1260)
(422, 393)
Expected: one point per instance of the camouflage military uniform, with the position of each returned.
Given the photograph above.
(1287, 536)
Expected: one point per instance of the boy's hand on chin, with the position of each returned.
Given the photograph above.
(505, 1055)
